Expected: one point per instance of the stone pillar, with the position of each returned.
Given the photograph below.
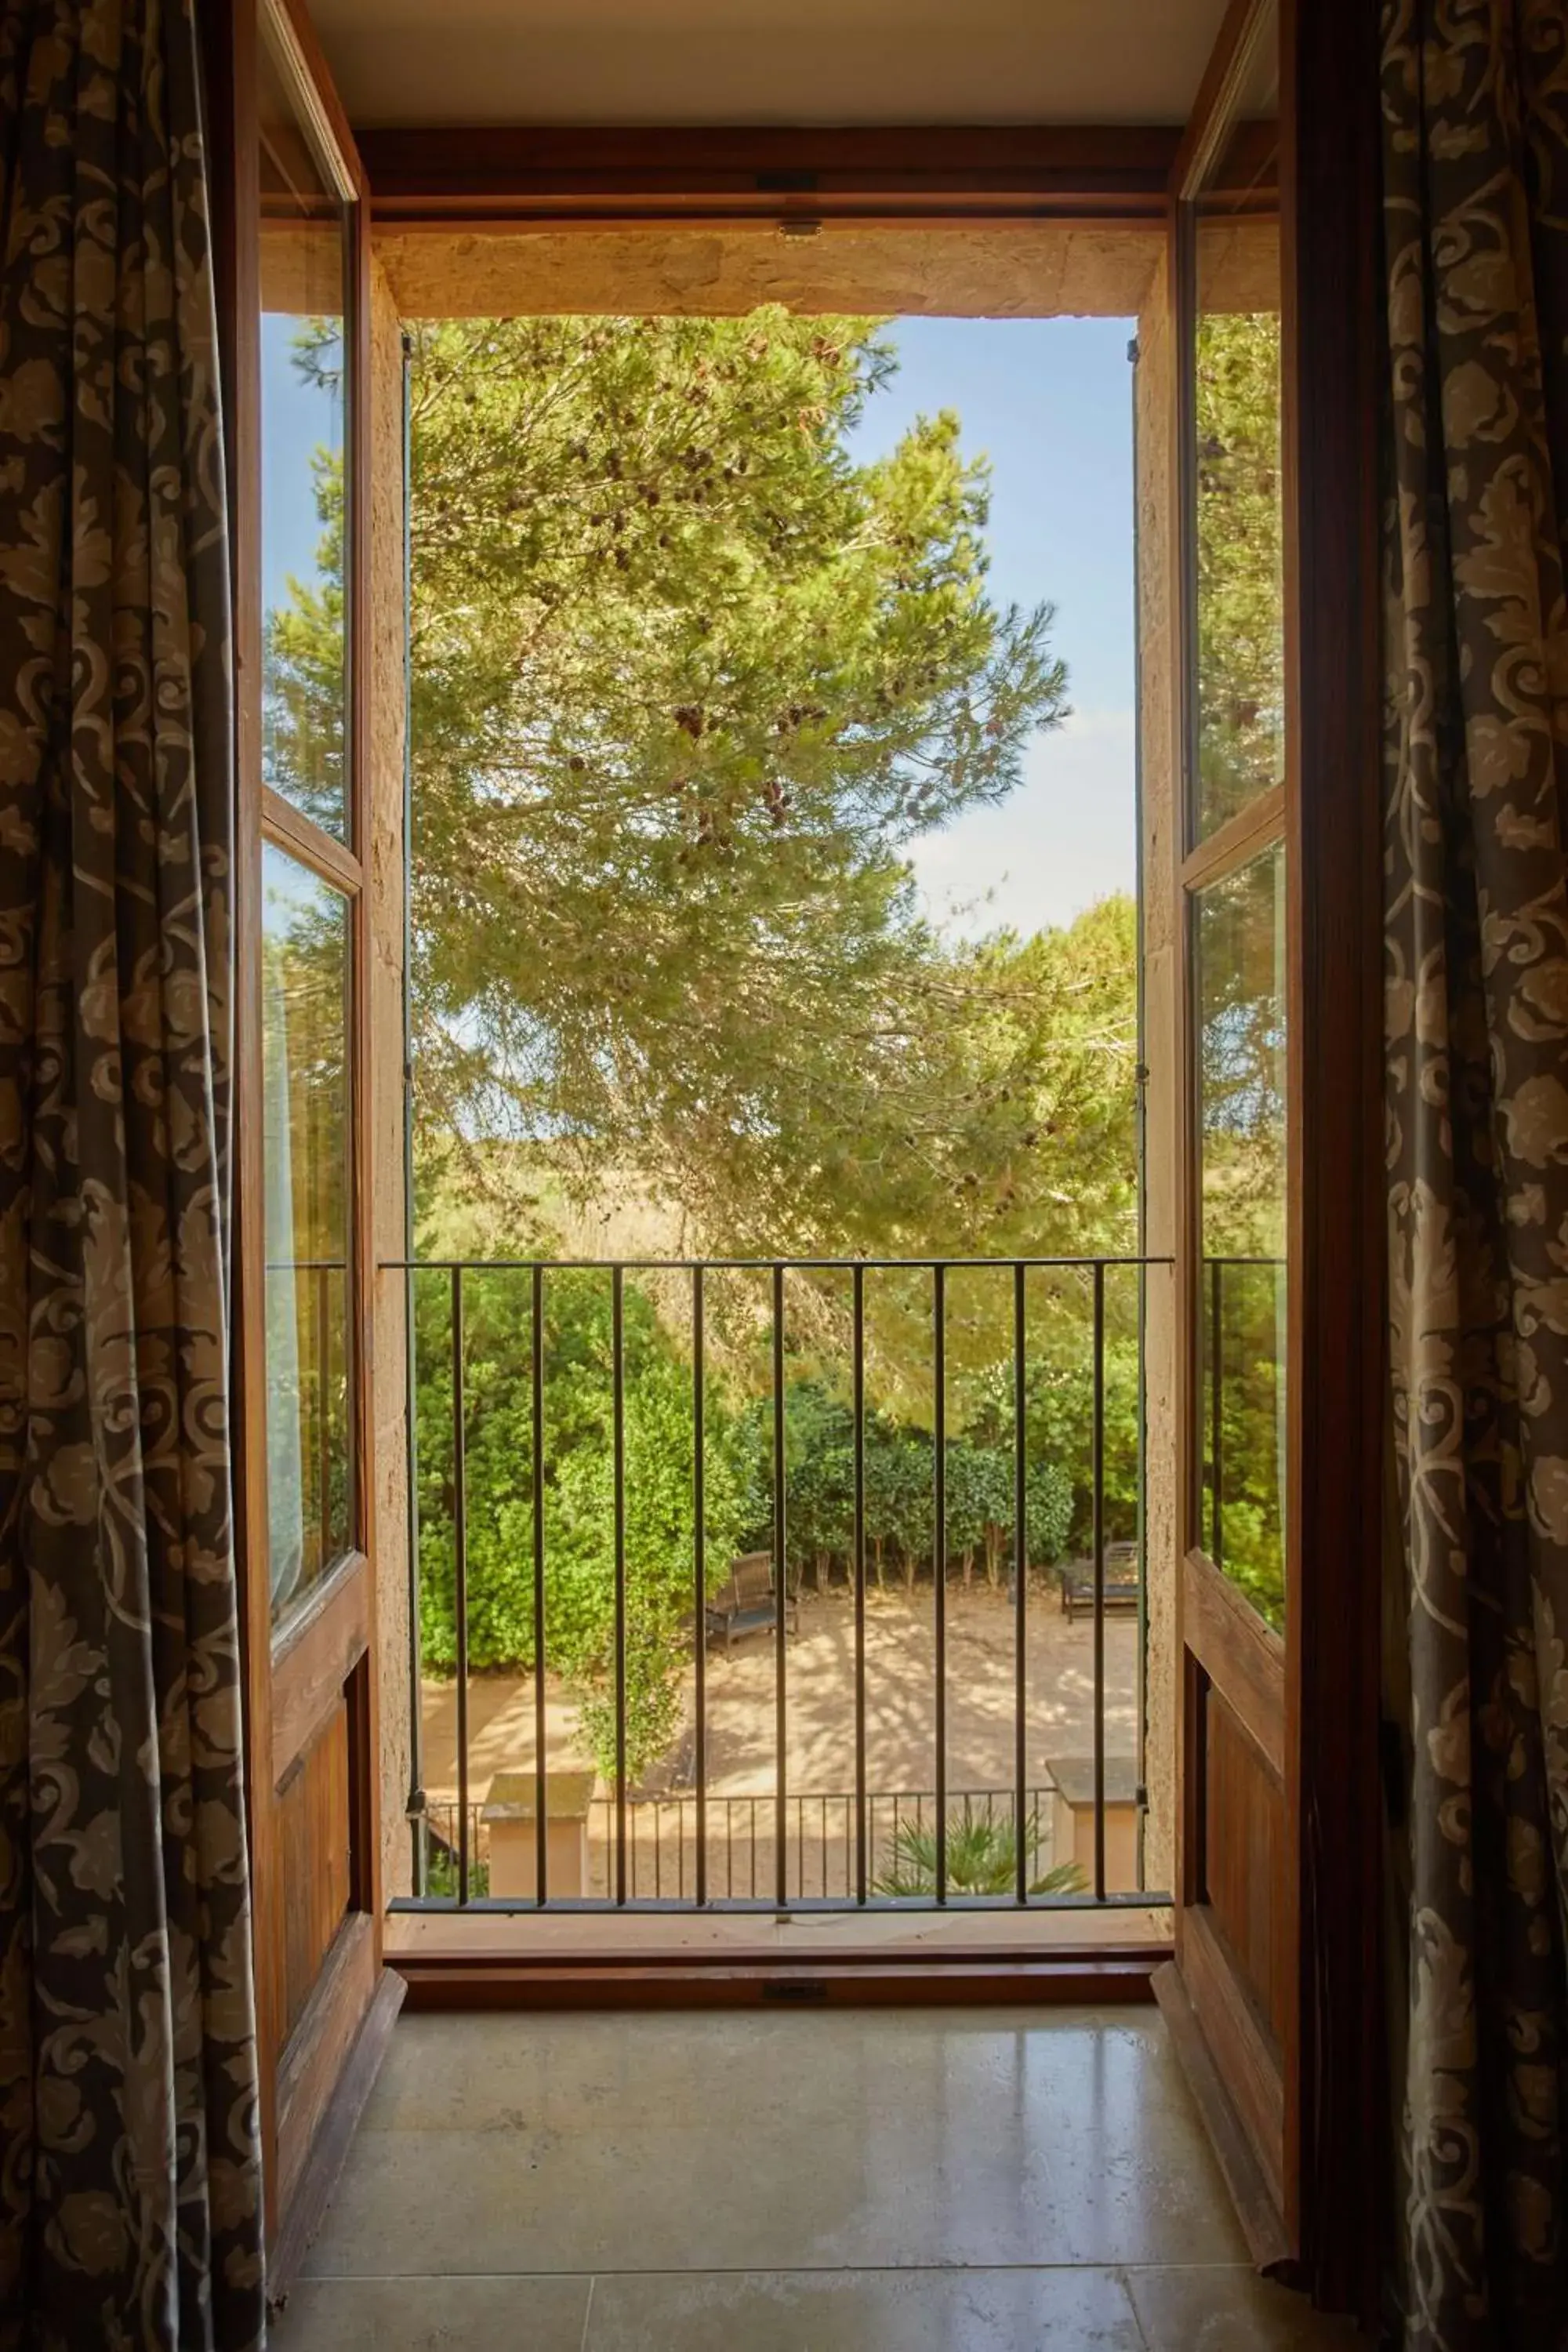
(384, 901)
(1159, 656)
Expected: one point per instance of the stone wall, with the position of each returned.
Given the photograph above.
(1029, 270)
(383, 883)
(1158, 656)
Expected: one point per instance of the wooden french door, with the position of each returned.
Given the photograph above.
(292, 242)
(1236, 1941)
(1280, 1252)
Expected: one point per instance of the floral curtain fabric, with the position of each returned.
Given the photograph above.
(1476, 194)
(130, 2186)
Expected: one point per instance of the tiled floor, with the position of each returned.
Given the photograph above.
(865, 2180)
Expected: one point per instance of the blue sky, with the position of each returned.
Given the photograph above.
(1050, 402)
(299, 413)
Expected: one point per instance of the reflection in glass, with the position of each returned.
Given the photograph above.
(1241, 1011)
(304, 1033)
(304, 255)
(1238, 523)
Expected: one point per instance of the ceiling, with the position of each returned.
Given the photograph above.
(675, 62)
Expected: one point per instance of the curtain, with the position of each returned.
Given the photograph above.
(129, 2189)
(1476, 219)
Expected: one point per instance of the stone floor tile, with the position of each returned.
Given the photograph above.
(864, 2311)
(433, 2315)
(1230, 2309)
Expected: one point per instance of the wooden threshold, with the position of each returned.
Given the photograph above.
(454, 1980)
(681, 1959)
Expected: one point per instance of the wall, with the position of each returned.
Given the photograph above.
(1158, 654)
(1022, 269)
(385, 900)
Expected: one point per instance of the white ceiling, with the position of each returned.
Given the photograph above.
(767, 61)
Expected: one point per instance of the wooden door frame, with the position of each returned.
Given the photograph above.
(329, 1649)
(898, 178)
(1341, 2129)
(874, 176)
(1334, 2120)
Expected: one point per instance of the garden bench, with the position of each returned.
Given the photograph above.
(1076, 1580)
(747, 1603)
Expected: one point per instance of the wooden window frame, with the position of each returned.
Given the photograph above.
(1223, 1645)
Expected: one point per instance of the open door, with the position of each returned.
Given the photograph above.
(1236, 1943)
(292, 234)
(1275, 1990)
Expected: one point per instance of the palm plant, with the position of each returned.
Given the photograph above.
(981, 1858)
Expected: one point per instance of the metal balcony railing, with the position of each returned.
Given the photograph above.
(852, 1826)
(739, 1830)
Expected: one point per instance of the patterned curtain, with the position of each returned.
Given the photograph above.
(130, 2185)
(1475, 191)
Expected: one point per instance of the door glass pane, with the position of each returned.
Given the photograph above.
(1239, 702)
(305, 1126)
(304, 263)
(1241, 1084)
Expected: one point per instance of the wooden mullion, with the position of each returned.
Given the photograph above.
(317, 1655)
(1240, 1654)
(1236, 841)
(285, 825)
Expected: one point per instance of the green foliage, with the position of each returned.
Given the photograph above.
(1240, 565)
(304, 647)
(442, 1876)
(1249, 1542)
(687, 681)
(1242, 1070)
(578, 1514)
(579, 1493)
(981, 1858)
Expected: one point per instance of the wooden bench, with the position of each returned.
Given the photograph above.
(747, 1603)
(1076, 1580)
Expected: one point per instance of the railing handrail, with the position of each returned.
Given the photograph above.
(763, 1265)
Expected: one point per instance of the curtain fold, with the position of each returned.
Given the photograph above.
(1476, 221)
(131, 2210)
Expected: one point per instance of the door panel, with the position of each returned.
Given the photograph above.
(312, 1825)
(293, 249)
(1244, 1855)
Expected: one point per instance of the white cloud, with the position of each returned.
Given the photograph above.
(1064, 839)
